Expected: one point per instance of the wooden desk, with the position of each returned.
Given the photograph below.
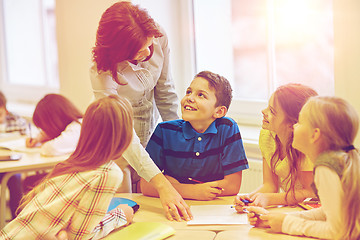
(151, 210)
(193, 235)
(253, 233)
(28, 162)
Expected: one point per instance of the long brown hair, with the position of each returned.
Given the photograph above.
(53, 113)
(105, 134)
(291, 98)
(123, 30)
(338, 122)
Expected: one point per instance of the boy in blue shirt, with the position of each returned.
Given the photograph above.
(201, 154)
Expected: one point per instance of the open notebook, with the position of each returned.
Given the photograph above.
(142, 231)
(18, 145)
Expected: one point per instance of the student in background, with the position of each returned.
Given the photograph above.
(284, 167)
(11, 122)
(131, 59)
(76, 194)
(59, 122)
(325, 132)
(201, 154)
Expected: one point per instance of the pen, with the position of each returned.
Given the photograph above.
(247, 211)
(30, 135)
(197, 181)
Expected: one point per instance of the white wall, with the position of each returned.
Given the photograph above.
(77, 22)
(347, 52)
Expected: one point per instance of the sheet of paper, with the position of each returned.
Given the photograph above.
(18, 145)
(216, 215)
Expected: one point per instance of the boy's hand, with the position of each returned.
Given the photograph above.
(241, 201)
(206, 191)
(254, 218)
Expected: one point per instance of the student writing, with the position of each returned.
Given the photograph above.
(11, 122)
(325, 132)
(76, 194)
(203, 146)
(59, 122)
(284, 167)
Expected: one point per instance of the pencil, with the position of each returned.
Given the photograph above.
(30, 135)
(197, 181)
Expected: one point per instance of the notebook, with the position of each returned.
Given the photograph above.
(18, 145)
(117, 200)
(142, 231)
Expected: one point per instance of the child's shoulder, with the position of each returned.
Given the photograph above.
(225, 121)
(178, 123)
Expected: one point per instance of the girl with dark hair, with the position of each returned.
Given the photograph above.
(59, 122)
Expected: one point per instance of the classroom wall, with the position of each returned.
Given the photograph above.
(347, 52)
(77, 22)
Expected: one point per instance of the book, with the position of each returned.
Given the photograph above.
(142, 231)
(118, 200)
(216, 215)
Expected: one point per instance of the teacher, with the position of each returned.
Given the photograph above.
(131, 59)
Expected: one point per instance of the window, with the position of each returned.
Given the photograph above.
(261, 44)
(28, 49)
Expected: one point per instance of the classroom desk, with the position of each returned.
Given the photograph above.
(151, 211)
(28, 162)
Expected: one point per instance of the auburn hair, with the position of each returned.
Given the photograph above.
(123, 30)
(291, 98)
(54, 113)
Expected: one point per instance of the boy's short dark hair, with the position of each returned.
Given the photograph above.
(2, 100)
(221, 85)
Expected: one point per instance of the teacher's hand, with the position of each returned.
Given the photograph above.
(174, 205)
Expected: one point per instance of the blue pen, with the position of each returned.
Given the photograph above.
(246, 201)
(256, 214)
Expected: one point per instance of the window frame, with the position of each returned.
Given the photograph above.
(23, 93)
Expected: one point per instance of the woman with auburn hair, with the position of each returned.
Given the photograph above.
(325, 132)
(76, 194)
(284, 167)
(59, 122)
(131, 59)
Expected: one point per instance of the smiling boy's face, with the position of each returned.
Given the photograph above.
(198, 105)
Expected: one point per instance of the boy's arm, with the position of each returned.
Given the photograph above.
(231, 184)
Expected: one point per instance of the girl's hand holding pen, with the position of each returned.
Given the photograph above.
(31, 142)
(241, 201)
(256, 216)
